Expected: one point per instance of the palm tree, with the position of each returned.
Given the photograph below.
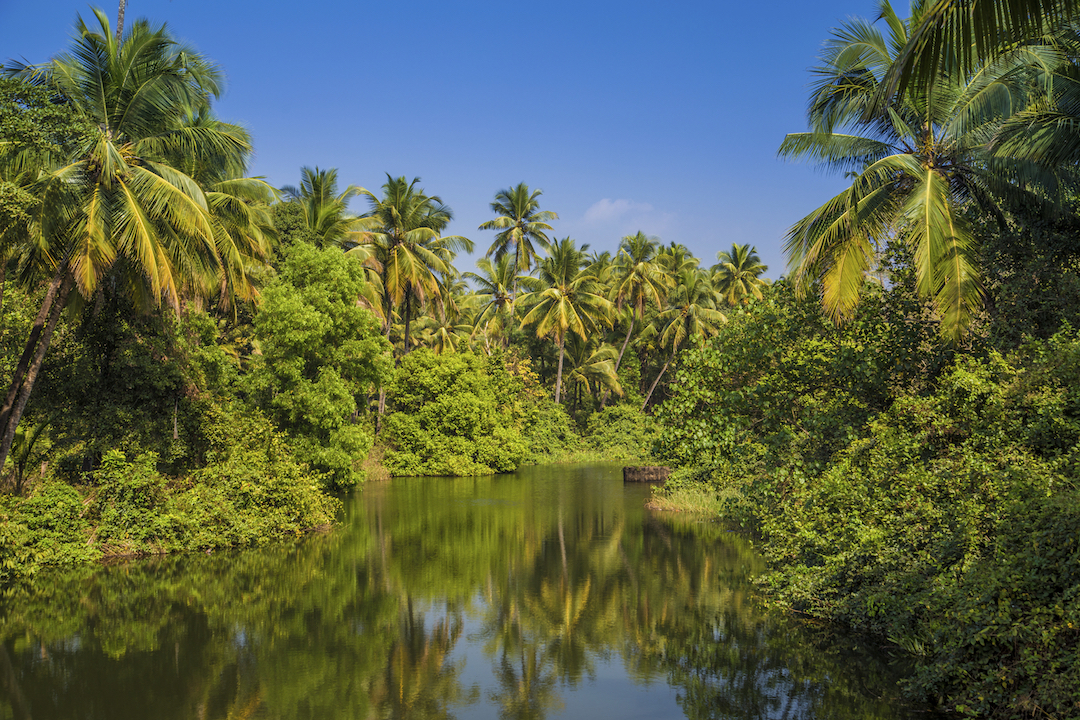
(119, 200)
(564, 299)
(919, 162)
(495, 281)
(690, 312)
(957, 36)
(326, 211)
(736, 275)
(592, 367)
(522, 223)
(640, 279)
(239, 206)
(402, 232)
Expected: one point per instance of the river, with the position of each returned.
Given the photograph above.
(551, 593)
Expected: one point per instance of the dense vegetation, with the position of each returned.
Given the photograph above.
(909, 460)
(196, 358)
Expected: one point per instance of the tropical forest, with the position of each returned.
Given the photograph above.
(299, 451)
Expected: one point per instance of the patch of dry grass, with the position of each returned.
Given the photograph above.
(697, 500)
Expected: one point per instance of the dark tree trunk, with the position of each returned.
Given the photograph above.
(3, 277)
(656, 382)
(31, 345)
(618, 361)
(408, 317)
(27, 384)
(558, 376)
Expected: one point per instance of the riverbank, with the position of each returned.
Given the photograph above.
(947, 523)
(127, 508)
(424, 600)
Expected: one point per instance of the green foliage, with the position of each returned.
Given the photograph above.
(622, 432)
(781, 388)
(291, 225)
(321, 355)
(251, 491)
(550, 432)
(455, 414)
(35, 119)
(944, 520)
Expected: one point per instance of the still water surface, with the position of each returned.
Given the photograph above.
(550, 593)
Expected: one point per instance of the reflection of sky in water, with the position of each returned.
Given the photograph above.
(610, 611)
(609, 692)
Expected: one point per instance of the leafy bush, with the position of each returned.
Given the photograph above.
(936, 507)
(321, 355)
(550, 432)
(622, 432)
(454, 414)
(251, 491)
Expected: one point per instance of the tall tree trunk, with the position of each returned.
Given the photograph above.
(382, 390)
(31, 345)
(408, 317)
(32, 372)
(618, 361)
(656, 382)
(558, 376)
(3, 277)
(120, 20)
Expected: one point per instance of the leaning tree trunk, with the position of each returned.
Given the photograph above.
(26, 385)
(558, 375)
(656, 382)
(618, 361)
(31, 344)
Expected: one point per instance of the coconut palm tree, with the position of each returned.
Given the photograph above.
(919, 163)
(522, 223)
(118, 202)
(563, 299)
(402, 232)
(326, 211)
(690, 312)
(640, 278)
(493, 297)
(958, 36)
(736, 275)
(592, 367)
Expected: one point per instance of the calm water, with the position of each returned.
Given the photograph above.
(546, 594)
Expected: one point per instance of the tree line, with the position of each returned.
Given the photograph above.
(896, 420)
(121, 187)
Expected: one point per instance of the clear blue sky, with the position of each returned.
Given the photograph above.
(628, 115)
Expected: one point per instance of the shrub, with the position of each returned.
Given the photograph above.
(453, 414)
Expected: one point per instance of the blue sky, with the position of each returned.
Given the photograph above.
(628, 115)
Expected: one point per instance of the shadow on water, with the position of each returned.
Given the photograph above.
(549, 593)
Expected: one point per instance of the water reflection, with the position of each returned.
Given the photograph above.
(550, 593)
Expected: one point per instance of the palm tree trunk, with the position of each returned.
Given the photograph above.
(656, 382)
(27, 384)
(120, 20)
(618, 361)
(558, 376)
(3, 277)
(408, 317)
